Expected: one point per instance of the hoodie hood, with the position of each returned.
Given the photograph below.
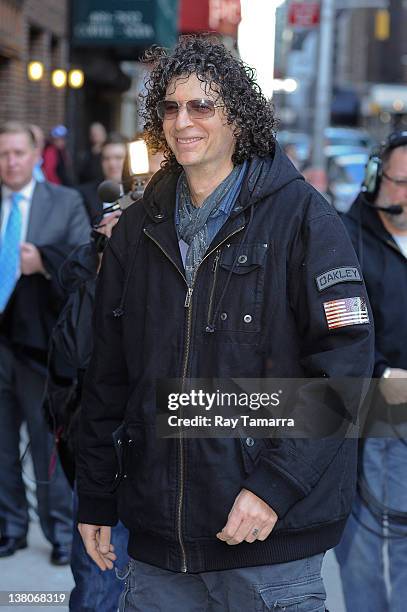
(265, 176)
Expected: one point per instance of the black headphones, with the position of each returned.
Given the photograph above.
(374, 166)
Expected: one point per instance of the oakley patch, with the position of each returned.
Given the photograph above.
(337, 275)
(349, 311)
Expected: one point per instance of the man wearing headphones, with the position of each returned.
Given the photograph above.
(377, 223)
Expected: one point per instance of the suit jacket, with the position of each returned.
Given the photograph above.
(57, 223)
(94, 206)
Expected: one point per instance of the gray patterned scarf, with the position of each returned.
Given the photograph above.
(192, 222)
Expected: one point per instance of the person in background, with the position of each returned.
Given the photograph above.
(40, 144)
(377, 224)
(72, 341)
(90, 168)
(318, 178)
(113, 154)
(215, 275)
(40, 224)
(57, 164)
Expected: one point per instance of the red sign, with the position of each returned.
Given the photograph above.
(193, 16)
(304, 14)
(222, 16)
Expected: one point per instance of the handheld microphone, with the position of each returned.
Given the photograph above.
(392, 209)
(109, 191)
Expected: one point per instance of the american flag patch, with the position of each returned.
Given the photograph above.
(349, 311)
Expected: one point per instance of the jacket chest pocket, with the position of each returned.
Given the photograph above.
(237, 287)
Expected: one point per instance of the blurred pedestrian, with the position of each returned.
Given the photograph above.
(72, 341)
(113, 154)
(90, 167)
(215, 275)
(57, 164)
(39, 137)
(318, 178)
(377, 223)
(40, 224)
(291, 151)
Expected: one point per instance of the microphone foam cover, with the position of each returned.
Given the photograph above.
(109, 191)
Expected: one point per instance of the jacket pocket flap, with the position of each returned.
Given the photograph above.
(243, 258)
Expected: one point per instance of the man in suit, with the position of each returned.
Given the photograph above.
(40, 223)
(113, 155)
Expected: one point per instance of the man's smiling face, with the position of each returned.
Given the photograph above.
(198, 143)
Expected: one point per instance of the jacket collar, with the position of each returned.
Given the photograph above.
(41, 207)
(262, 178)
(369, 219)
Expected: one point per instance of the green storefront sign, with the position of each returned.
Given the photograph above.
(124, 22)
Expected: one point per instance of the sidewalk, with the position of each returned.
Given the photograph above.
(30, 570)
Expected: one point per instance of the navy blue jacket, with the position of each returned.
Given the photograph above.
(384, 268)
(177, 494)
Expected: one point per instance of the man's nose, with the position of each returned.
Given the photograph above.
(11, 160)
(402, 193)
(183, 119)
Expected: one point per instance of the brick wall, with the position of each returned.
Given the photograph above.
(34, 29)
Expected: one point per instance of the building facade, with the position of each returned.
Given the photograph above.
(32, 30)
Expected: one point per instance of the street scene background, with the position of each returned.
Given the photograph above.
(336, 71)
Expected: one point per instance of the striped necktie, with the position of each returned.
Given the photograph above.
(10, 251)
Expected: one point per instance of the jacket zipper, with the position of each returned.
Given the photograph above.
(212, 293)
(187, 304)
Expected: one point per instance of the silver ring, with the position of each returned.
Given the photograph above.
(255, 532)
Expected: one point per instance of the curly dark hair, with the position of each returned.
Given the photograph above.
(228, 77)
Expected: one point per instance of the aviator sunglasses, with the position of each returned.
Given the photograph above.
(196, 109)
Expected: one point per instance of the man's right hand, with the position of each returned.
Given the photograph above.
(394, 387)
(97, 543)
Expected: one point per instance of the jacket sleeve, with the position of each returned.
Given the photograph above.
(105, 394)
(72, 334)
(354, 230)
(289, 468)
(78, 226)
(52, 257)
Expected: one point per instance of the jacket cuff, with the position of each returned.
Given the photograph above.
(278, 492)
(97, 511)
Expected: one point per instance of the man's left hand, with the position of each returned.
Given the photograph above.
(31, 262)
(250, 519)
(107, 224)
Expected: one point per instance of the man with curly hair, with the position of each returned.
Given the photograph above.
(229, 268)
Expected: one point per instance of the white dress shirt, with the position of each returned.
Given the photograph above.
(402, 243)
(25, 207)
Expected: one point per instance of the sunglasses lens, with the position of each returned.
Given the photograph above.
(167, 109)
(201, 108)
(197, 109)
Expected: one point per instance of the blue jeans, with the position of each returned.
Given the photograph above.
(294, 587)
(361, 552)
(94, 590)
